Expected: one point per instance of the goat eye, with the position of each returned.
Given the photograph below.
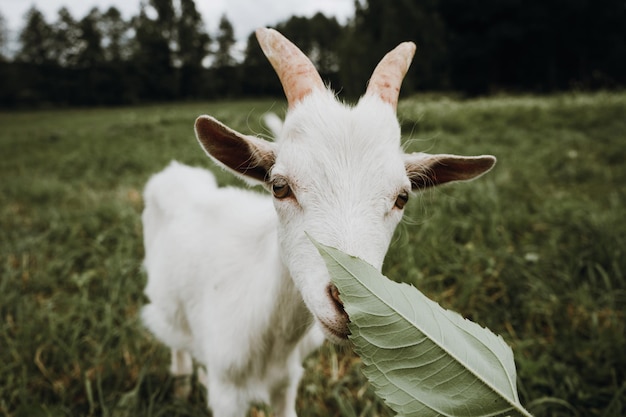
(402, 199)
(281, 190)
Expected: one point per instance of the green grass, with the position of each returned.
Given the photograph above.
(535, 250)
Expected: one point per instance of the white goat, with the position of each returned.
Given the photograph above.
(233, 280)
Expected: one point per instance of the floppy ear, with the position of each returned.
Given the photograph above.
(425, 170)
(249, 157)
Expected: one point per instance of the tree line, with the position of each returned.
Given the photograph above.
(166, 52)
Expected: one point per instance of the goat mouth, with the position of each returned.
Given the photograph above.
(337, 336)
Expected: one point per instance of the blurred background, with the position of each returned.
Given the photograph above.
(161, 50)
(98, 95)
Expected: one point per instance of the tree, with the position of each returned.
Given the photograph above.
(165, 17)
(193, 47)
(38, 75)
(35, 39)
(91, 52)
(115, 36)
(114, 76)
(379, 26)
(535, 45)
(258, 77)
(225, 74)
(225, 43)
(318, 37)
(153, 54)
(192, 39)
(4, 36)
(65, 44)
(9, 77)
(170, 47)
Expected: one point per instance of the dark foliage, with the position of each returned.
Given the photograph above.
(166, 54)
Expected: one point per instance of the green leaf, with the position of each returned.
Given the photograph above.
(422, 360)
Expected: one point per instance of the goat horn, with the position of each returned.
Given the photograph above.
(296, 71)
(389, 73)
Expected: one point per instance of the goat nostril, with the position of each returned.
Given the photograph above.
(334, 294)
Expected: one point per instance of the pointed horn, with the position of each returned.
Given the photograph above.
(389, 73)
(296, 72)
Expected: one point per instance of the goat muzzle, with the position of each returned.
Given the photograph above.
(333, 291)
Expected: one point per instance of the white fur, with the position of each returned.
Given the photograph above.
(233, 279)
(219, 291)
(345, 165)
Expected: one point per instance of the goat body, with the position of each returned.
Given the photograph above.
(220, 292)
(233, 279)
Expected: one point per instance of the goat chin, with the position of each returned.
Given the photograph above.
(335, 335)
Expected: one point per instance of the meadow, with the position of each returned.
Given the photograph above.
(535, 250)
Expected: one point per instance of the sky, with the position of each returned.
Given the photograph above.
(245, 15)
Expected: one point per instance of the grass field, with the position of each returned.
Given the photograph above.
(535, 250)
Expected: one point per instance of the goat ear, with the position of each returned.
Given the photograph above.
(425, 170)
(248, 156)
